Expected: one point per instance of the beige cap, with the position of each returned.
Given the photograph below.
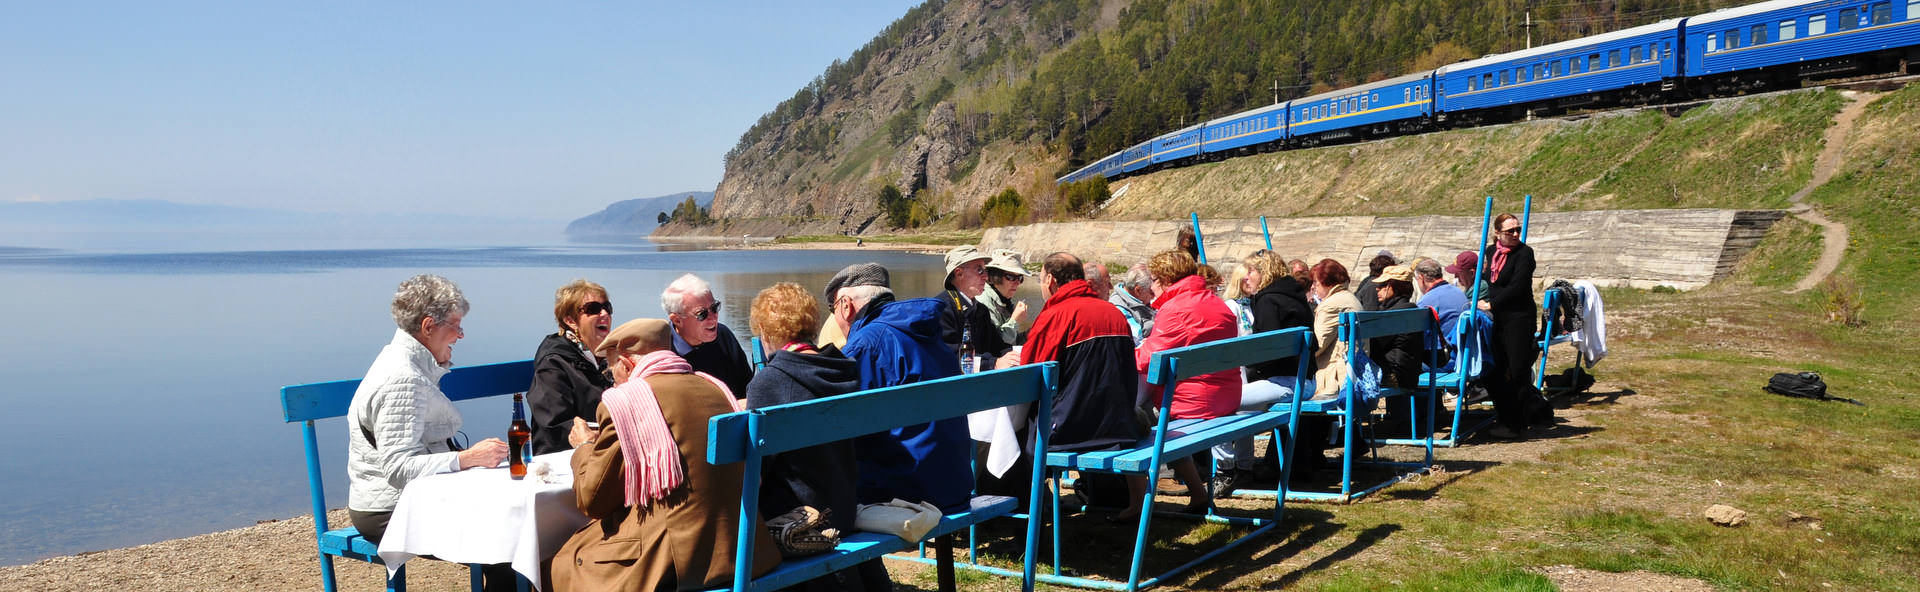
(1396, 272)
(638, 336)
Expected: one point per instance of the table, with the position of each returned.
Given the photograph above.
(997, 428)
(483, 516)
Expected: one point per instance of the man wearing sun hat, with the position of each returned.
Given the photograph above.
(965, 317)
(896, 342)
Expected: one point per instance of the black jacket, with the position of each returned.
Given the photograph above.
(724, 359)
(1399, 356)
(986, 336)
(1280, 305)
(1512, 294)
(822, 476)
(566, 385)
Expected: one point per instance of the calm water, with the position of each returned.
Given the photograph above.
(140, 384)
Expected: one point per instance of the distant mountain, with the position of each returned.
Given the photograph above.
(633, 218)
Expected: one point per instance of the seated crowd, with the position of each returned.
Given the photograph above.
(632, 402)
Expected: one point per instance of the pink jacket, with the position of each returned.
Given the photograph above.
(1186, 314)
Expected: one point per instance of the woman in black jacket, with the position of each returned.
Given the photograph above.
(567, 377)
(1509, 269)
(1279, 302)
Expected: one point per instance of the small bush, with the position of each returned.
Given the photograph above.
(1840, 298)
(1003, 209)
(1080, 198)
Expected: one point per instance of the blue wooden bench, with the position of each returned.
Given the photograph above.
(1355, 329)
(1469, 360)
(307, 403)
(749, 436)
(1166, 369)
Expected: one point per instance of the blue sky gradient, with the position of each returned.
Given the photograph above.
(542, 110)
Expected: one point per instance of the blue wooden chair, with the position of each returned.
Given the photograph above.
(1355, 329)
(748, 436)
(1166, 369)
(307, 403)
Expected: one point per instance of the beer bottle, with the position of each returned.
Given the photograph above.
(968, 363)
(519, 438)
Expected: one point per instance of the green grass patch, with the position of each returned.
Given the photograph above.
(1751, 153)
(1787, 254)
(1485, 575)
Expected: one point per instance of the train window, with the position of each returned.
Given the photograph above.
(1913, 9)
(1816, 25)
(1406, 94)
(1713, 43)
(1882, 13)
(1666, 49)
(1536, 72)
(1637, 54)
(1486, 81)
(1561, 68)
(1593, 62)
(1613, 59)
(1758, 33)
(1849, 20)
(1731, 38)
(1787, 30)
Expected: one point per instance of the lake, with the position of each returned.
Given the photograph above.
(141, 382)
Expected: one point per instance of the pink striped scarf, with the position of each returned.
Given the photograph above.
(653, 459)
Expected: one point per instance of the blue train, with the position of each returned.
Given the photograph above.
(1760, 46)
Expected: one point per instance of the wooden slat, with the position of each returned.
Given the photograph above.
(321, 400)
(799, 425)
(860, 547)
(1183, 441)
(1377, 323)
(1214, 356)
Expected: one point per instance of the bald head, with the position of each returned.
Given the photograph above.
(1097, 279)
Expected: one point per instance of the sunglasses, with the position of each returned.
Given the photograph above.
(1514, 230)
(701, 314)
(594, 308)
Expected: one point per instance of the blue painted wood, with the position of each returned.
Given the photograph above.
(799, 425)
(1368, 324)
(1183, 441)
(321, 400)
(1214, 356)
(861, 547)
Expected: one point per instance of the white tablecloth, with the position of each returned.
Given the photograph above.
(484, 516)
(996, 428)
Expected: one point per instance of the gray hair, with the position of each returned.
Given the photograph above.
(1137, 277)
(423, 296)
(1428, 268)
(1096, 268)
(861, 295)
(675, 296)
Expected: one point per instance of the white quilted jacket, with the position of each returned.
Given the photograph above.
(401, 404)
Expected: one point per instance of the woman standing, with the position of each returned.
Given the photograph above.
(1510, 301)
(567, 377)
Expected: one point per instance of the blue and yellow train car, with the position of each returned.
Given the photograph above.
(1395, 105)
(1636, 64)
(1106, 167)
(1784, 40)
(1245, 132)
(1177, 145)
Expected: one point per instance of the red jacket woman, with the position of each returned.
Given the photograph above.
(1186, 313)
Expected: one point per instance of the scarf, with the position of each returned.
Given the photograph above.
(653, 459)
(1499, 262)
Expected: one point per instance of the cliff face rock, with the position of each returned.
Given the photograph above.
(817, 162)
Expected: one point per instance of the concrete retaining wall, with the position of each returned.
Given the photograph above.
(1685, 249)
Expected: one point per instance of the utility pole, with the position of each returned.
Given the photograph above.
(1529, 28)
(1276, 91)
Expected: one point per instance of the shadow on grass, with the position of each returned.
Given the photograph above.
(1246, 561)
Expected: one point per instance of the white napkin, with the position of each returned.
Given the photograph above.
(908, 520)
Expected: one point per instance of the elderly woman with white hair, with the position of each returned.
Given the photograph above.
(700, 337)
(400, 427)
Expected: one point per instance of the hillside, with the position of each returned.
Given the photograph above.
(631, 218)
(961, 99)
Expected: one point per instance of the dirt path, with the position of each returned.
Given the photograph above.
(1833, 236)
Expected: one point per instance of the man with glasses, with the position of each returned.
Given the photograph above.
(700, 337)
(964, 315)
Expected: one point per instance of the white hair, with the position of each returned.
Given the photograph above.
(675, 296)
(861, 295)
(424, 296)
(1137, 277)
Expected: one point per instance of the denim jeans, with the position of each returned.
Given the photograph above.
(1255, 397)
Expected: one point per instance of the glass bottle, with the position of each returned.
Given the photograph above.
(519, 439)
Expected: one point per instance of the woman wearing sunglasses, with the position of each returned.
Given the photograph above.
(1509, 269)
(567, 377)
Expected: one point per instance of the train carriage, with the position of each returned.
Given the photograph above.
(1392, 106)
(1138, 157)
(1244, 132)
(1178, 145)
(1106, 167)
(1628, 65)
(1779, 42)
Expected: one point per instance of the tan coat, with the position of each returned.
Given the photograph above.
(688, 538)
(1330, 354)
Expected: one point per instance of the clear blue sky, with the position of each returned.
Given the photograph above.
(511, 109)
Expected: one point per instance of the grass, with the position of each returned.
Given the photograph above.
(1677, 423)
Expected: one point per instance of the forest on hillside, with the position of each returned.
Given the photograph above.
(1169, 63)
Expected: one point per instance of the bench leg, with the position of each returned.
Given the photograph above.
(943, 551)
(398, 581)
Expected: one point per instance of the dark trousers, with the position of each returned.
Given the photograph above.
(1510, 383)
(498, 577)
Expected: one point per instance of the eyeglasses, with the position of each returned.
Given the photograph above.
(1514, 230)
(701, 314)
(594, 308)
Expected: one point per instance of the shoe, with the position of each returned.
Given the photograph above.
(1542, 416)
(1225, 482)
(1179, 491)
(1501, 432)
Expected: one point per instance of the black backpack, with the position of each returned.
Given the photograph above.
(1805, 385)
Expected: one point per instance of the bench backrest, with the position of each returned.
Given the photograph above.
(1180, 363)
(793, 426)
(321, 400)
(1367, 324)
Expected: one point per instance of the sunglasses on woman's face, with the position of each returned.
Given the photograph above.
(594, 308)
(701, 314)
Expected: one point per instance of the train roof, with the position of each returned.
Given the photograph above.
(1666, 25)
(1365, 87)
(1280, 106)
(1749, 10)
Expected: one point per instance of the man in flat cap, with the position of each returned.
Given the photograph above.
(896, 342)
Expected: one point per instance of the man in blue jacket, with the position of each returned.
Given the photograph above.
(896, 342)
